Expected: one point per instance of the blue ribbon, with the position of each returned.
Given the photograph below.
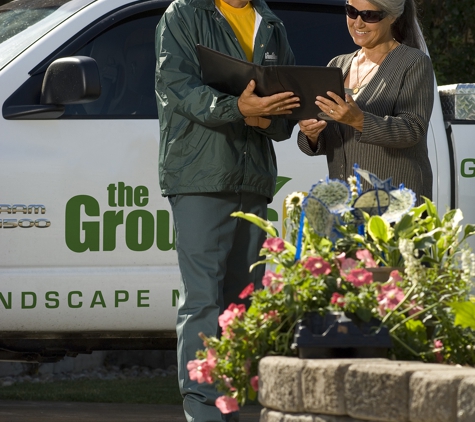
(298, 252)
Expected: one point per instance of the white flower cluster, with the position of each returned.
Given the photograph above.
(468, 265)
(414, 270)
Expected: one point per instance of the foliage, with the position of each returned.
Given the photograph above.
(449, 33)
(337, 237)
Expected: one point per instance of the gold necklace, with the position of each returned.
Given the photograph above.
(358, 83)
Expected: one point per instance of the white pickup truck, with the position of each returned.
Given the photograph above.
(87, 259)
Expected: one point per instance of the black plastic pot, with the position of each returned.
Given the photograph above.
(336, 335)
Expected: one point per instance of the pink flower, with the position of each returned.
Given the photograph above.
(365, 256)
(341, 256)
(271, 315)
(255, 383)
(347, 265)
(274, 244)
(359, 277)
(229, 314)
(227, 404)
(337, 299)
(317, 266)
(395, 276)
(389, 297)
(211, 359)
(273, 282)
(228, 382)
(438, 347)
(247, 291)
(199, 371)
(414, 308)
(269, 277)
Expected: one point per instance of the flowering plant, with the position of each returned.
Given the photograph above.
(337, 239)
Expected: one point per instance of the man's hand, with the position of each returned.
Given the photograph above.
(250, 105)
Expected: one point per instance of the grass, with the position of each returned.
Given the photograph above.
(159, 390)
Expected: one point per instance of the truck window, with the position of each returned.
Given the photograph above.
(23, 22)
(316, 33)
(125, 55)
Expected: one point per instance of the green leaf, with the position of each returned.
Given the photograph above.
(258, 221)
(424, 242)
(432, 211)
(251, 394)
(405, 227)
(417, 330)
(464, 314)
(364, 314)
(281, 181)
(379, 228)
(469, 230)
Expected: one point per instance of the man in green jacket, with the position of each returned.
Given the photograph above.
(216, 157)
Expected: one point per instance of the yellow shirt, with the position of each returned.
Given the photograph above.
(242, 21)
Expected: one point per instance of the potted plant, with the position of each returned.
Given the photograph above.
(338, 241)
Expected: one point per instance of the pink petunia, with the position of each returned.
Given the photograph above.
(365, 256)
(228, 382)
(246, 291)
(317, 266)
(414, 308)
(271, 315)
(199, 371)
(269, 277)
(337, 299)
(347, 265)
(274, 244)
(273, 281)
(255, 383)
(359, 277)
(390, 296)
(227, 404)
(438, 347)
(395, 276)
(229, 314)
(211, 359)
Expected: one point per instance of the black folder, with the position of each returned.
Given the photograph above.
(231, 76)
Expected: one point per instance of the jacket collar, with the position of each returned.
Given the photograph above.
(259, 5)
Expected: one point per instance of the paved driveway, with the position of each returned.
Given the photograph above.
(25, 411)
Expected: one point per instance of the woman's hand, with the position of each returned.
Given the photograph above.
(312, 128)
(346, 112)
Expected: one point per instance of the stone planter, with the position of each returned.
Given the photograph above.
(358, 390)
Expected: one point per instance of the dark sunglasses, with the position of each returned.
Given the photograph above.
(368, 16)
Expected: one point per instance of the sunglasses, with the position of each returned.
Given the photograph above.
(368, 16)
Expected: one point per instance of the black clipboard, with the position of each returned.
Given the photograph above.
(231, 76)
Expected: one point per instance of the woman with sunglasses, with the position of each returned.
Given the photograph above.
(382, 122)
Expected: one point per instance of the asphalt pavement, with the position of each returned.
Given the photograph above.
(26, 411)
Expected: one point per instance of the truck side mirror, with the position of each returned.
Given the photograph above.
(71, 80)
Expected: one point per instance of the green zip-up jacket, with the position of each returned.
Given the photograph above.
(205, 146)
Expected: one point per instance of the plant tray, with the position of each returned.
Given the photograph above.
(336, 335)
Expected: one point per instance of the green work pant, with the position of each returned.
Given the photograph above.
(215, 252)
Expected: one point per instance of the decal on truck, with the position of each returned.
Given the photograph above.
(74, 299)
(467, 167)
(142, 228)
(24, 223)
